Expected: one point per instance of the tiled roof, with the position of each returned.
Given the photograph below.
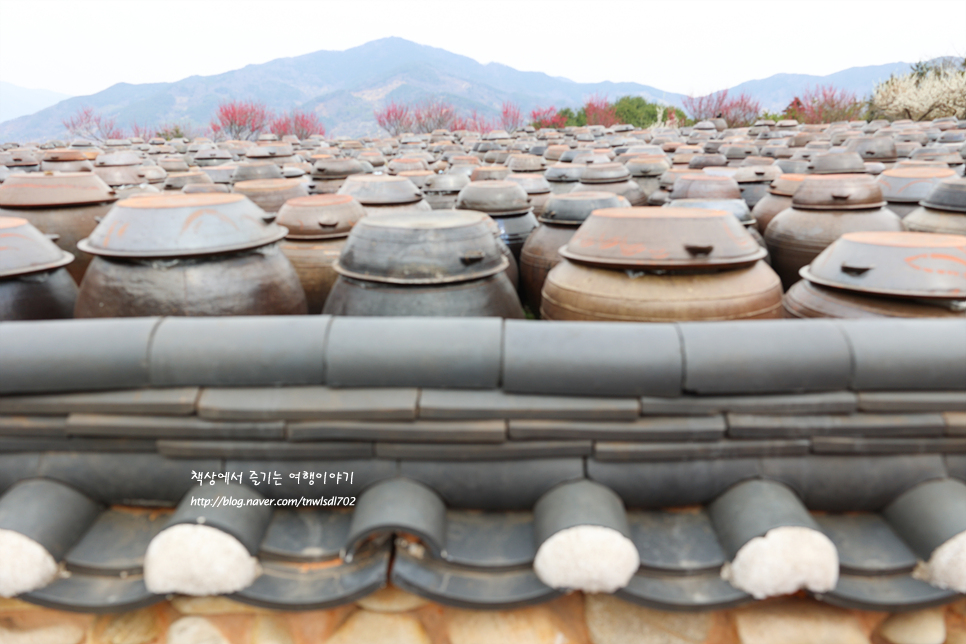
(457, 432)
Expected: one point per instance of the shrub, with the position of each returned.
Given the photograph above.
(301, 123)
(543, 117)
(598, 111)
(825, 104)
(511, 119)
(87, 123)
(240, 120)
(928, 92)
(737, 111)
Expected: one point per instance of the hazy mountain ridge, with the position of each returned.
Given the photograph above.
(344, 87)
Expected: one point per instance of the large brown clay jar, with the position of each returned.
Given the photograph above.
(558, 223)
(317, 229)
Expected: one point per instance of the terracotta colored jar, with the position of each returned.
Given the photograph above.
(65, 160)
(207, 254)
(874, 274)
(441, 263)
(823, 209)
(329, 174)
(661, 265)
(34, 285)
(317, 229)
(779, 198)
(646, 170)
(558, 223)
(67, 205)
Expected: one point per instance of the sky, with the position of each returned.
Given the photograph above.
(80, 47)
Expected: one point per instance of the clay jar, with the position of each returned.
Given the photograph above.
(611, 177)
(904, 188)
(661, 265)
(646, 170)
(317, 229)
(67, 205)
(271, 194)
(875, 274)
(943, 211)
(205, 254)
(536, 187)
(65, 160)
(328, 175)
(34, 285)
(507, 203)
(384, 194)
(823, 209)
(779, 197)
(754, 182)
(442, 190)
(438, 263)
(562, 177)
(559, 221)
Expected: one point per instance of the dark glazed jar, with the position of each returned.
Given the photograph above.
(317, 229)
(34, 285)
(442, 263)
(943, 211)
(204, 254)
(874, 274)
(661, 265)
(507, 203)
(823, 209)
(558, 223)
(67, 205)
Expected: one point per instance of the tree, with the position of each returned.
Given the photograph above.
(599, 112)
(738, 111)
(543, 117)
(240, 120)
(87, 123)
(142, 131)
(928, 92)
(636, 111)
(395, 118)
(511, 119)
(301, 123)
(824, 104)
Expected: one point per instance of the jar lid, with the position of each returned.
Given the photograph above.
(436, 247)
(495, 198)
(662, 238)
(320, 216)
(838, 192)
(949, 194)
(27, 250)
(380, 189)
(51, 189)
(180, 225)
(900, 264)
(573, 208)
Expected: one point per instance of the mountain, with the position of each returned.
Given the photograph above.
(19, 101)
(342, 87)
(776, 92)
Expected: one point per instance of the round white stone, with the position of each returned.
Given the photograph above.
(197, 560)
(947, 566)
(785, 561)
(25, 565)
(591, 558)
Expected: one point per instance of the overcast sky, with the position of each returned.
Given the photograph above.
(692, 47)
